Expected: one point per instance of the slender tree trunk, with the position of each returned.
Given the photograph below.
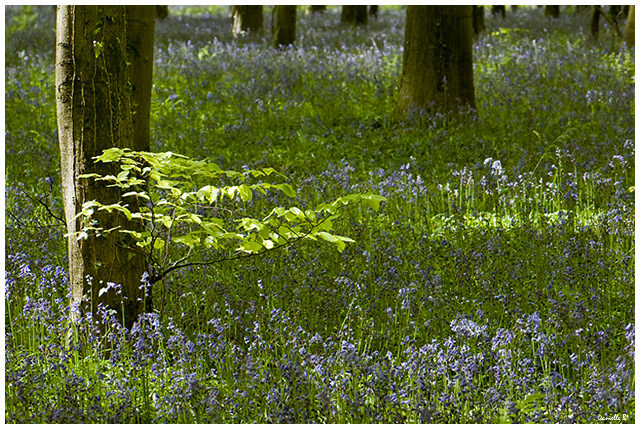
(630, 27)
(373, 11)
(314, 8)
(595, 21)
(478, 19)
(140, 38)
(247, 19)
(437, 67)
(284, 29)
(354, 15)
(553, 11)
(162, 11)
(94, 114)
(499, 10)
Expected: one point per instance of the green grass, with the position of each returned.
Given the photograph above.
(496, 284)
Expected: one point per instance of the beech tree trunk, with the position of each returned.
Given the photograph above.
(437, 66)
(478, 19)
(354, 15)
(314, 9)
(499, 10)
(284, 28)
(595, 21)
(553, 11)
(140, 37)
(630, 27)
(161, 11)
(94, 113)
(247, 19)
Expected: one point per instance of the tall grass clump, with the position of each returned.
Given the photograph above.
(496, 284)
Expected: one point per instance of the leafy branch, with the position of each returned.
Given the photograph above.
(191, 207)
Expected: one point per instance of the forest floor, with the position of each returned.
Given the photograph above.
(495, 284)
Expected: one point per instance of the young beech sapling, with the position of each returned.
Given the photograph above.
(196, 210)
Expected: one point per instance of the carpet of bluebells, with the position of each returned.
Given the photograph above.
(496, 284)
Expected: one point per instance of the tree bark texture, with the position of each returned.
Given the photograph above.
(630, 27)
(284, 28)
(94, 113)
(247, 19)
(437, 66)
(140, 37)
(478, 19)
(354, 15)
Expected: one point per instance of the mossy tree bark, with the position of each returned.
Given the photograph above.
(247, 19)
(630, 27)
(354, 15)
(437, 66)
(94, 113)
(140, 38)
(284, 27)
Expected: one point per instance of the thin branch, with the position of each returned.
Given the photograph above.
(39, 200)
(611, 20)
(236, 256)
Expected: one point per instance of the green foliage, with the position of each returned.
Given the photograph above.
(190, 205)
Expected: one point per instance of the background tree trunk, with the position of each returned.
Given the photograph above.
(553, 11)
(94, 114)
(140, 37)
(373, 11)
(354, 15)
(315, 8)
(284, 28)
(499, 10)
(162, 12)
(478, 19)
(630, 27)
(437, 67)
(247, 19)
(595, 21)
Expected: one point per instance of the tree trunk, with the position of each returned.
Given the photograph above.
(284, 29)
(314, 9)
(595, 21)
(373, 11)
(140, 38)
(478, 19)
(354, 15)
(162, 12)
(501, 10)
(94, 113)
(247, 19)
(437, 66)
(553, 11)
(630, 27)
